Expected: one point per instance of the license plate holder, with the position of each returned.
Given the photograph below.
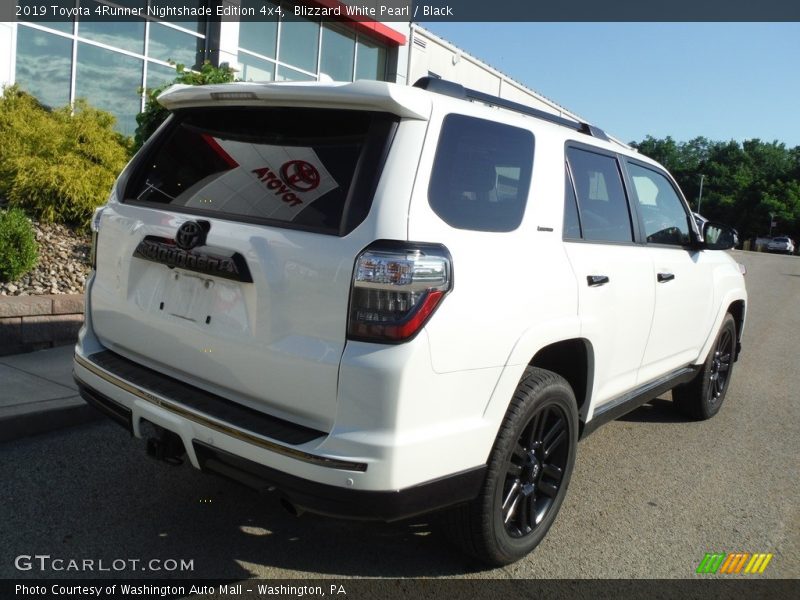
(187, 296)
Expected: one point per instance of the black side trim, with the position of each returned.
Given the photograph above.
(116, 412)
(390, 505)
(197, 399)
(367, 173)
(635, 398)
(455, 90)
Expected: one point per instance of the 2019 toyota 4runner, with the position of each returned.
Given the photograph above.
(383, 301)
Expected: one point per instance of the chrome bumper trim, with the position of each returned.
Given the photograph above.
(211, 423)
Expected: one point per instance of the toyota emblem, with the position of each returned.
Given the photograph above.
(191, 234)
(300, 175)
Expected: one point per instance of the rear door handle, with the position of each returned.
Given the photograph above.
(662, 277)
(597, 280)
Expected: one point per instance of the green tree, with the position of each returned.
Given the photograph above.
(58, 165)
(18, 249)
(154, 114)
(743, 183)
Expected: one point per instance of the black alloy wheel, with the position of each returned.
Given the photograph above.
(721, 362)
(702, 397)
(527, 473)
(535, 471)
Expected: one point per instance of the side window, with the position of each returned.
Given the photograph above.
(604, 213)
(665, 218)
(572, 223)
(481, 174)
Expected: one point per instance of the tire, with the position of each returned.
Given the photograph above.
(527, 475)
(702, 397)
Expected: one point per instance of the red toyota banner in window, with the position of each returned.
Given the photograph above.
(263, 180)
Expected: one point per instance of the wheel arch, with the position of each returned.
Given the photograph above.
(552, 346)
(733, 303)
(737, 310)
(572, 359)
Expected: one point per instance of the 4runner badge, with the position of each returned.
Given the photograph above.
(171, 253)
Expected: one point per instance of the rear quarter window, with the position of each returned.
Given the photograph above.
(313, 169)
(481, 174)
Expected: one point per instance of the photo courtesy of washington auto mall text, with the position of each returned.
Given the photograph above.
(167, 589)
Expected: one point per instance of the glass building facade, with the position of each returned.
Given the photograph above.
(300, 49)
(110, 63)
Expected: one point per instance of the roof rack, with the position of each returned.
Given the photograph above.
(456, 90)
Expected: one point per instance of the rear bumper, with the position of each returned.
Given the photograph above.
(261, 456)
(335, 501)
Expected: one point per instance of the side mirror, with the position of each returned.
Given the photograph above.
(718, 236)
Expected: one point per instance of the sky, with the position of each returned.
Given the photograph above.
(722, 81)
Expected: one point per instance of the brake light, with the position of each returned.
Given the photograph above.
(95, 227)
(396, 288)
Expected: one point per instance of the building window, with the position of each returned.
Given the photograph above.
(370, 60)
(110, 81)
(158, 75)
(126, 35)
(259, 36)
(63, 26)
(288, 74)
(44, 63)
(193, 25)
(256, 69)
(116, 59)
(304, 50)
(169, 44)
(111, 58)
(338, 53)
(299, 43)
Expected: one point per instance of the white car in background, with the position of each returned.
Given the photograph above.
(784, 245)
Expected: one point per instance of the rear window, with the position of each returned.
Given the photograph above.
(481, 174)
(302, 168)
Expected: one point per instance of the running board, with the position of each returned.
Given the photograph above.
(635, 398)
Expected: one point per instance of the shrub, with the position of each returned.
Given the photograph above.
(154, 114)
(57, 164)
(18, 250)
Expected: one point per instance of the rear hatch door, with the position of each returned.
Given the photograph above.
(227, 260)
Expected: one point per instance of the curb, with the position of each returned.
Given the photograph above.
(42, 417)
(38, 394)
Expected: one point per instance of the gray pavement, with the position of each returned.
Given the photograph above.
(651, 493)
(37, 394)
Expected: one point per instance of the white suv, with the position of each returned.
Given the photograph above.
(383, 301)
(784, 245)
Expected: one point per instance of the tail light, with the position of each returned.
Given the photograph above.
(95, 226)
(396, 288)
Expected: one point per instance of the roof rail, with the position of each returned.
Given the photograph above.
(456, 90)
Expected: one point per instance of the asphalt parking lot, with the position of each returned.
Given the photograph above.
(651, 493)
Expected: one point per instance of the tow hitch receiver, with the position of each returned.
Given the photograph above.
(165, 446)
